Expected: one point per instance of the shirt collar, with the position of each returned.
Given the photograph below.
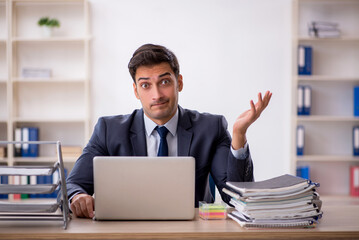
(171, 125)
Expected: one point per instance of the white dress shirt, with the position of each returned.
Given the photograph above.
(153, 138)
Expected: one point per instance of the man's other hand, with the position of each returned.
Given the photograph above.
(82, 205)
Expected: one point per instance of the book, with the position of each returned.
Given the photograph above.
(356, 101)
(304, 60)
(356, 141)
(3, 152)
(36, 73)
(354, 181)
(300, 140)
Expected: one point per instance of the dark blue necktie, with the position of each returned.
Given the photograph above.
(163, 149)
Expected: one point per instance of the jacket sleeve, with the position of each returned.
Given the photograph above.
(80, 180)
(225, 167)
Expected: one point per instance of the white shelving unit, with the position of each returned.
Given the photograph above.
(59, 105)
(3, 73)
(335, 72)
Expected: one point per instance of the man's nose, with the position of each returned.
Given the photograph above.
(156, 93)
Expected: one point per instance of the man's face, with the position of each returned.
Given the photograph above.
(157, 89)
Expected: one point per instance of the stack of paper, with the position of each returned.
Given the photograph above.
(284, 201)
(323, 29)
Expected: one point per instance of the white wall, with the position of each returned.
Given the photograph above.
(228, 50)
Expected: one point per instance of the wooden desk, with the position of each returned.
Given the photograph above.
(340, 221)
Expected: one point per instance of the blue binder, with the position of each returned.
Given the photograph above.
(300, 140)
(356, 141)
(303, 171)
(356, 101)
(304, 60)
(4, 180)
(307, 100)
(30, 134)
(300, 101)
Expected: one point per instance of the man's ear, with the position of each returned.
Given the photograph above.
(135, 90)
(179, 83)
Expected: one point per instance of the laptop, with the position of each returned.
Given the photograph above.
(144, 188)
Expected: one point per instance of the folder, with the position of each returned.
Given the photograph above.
(25, 146)
(17, 146)
(24, 180)
(304, 60)
(300, 103)
(300, 140)
(354, 181)
(4, 180)
(33, 181)
(356, 141)
(16, 181)
(33, 136)
(303, 172)
(356, 101)
(307, 100)
(30, 134)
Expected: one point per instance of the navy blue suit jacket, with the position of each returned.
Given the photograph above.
(200, 135)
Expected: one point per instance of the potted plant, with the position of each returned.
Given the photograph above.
(47, 25)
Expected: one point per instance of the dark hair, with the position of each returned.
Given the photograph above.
(150, 54)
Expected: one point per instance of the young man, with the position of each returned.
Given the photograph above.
(157, 83)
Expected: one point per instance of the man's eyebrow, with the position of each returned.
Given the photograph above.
(162, 75)
(143, 78)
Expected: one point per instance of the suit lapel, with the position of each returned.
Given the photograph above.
(184, 133)
(137, 135)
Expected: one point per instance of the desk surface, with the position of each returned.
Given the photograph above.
(340, 221)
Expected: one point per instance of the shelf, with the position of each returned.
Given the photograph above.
(43, 159)
(49, 80)
(312, 118)
(320, 78)
(50, 120)
(327, 158)
(340, 39)
(50, 39)
(47, 2)
(328, 1)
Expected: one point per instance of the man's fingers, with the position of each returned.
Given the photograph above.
(77, 210)
(82, 205)
(260, 98)
(89, 206)
(84, 208)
